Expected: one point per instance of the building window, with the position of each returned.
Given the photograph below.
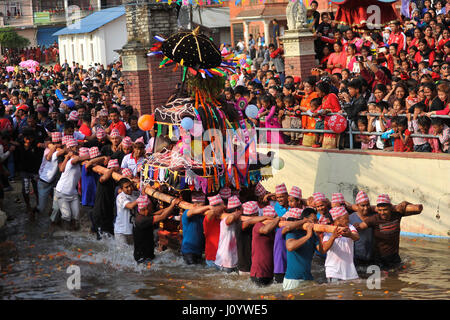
(65, 52)
(238, 32)
(92, 52)
(82, 52)
(73, 52)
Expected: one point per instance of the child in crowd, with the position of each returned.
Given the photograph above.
(412, 98)
(316, 103)
(271, 120)
(402, 136)
(420, 125)
(398, 107)
(378, 124)
(367, 142)
(291, 119)
(443, 132)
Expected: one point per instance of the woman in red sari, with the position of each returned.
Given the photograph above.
(330, 104)
(305, 105)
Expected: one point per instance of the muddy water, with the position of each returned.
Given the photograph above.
(34, 264)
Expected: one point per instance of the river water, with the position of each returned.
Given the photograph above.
(34, 265)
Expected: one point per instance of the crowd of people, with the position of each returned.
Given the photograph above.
(41, 54)
(394, 83)
(59, 122)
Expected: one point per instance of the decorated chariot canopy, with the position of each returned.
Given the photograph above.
(202, 142)
(366, 14)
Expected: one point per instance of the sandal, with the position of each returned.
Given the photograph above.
(316, 145)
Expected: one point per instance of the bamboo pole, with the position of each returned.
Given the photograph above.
(148, 190)
(317, 227)
(187, 206)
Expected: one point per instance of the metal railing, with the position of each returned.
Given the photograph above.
(350, 132)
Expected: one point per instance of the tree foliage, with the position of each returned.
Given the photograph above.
(9, 38)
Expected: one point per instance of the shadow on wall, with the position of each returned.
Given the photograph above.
(341, 173)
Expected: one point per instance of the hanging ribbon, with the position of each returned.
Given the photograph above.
(159, 130)
(184, 73)
(170, 132)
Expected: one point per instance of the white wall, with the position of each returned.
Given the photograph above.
(104, 40)
(414, 179)
(116, 38)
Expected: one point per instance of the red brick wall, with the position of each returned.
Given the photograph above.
(136, 90)
(299, 66)
(162, 82)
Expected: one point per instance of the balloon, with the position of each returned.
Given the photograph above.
(337, 123)
(233, 83)
(146, 122)
(278, 163)
(197, 130)
(187, 123)
(251, 111)
(249, 61)
(242, 61)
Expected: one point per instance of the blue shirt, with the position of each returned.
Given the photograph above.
(299, 261)
(193, 237)
(279, 209)
(88, 187)
(363, 248)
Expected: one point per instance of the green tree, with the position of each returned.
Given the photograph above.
(11, 39)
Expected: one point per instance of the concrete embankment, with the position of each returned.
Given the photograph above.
(415, 177)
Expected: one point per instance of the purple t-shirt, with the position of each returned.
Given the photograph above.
(279, 252)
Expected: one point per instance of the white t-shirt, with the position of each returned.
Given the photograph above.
(48, 169)
(131, 163)
(339, 262)
(68, 182)
(380, 143)
(227, 255)
(123, 223)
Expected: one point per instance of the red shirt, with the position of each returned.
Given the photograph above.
(84, 129)
(399, 146)
(211, 229)
(400, 39)
(262, 253)
(119, 126)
